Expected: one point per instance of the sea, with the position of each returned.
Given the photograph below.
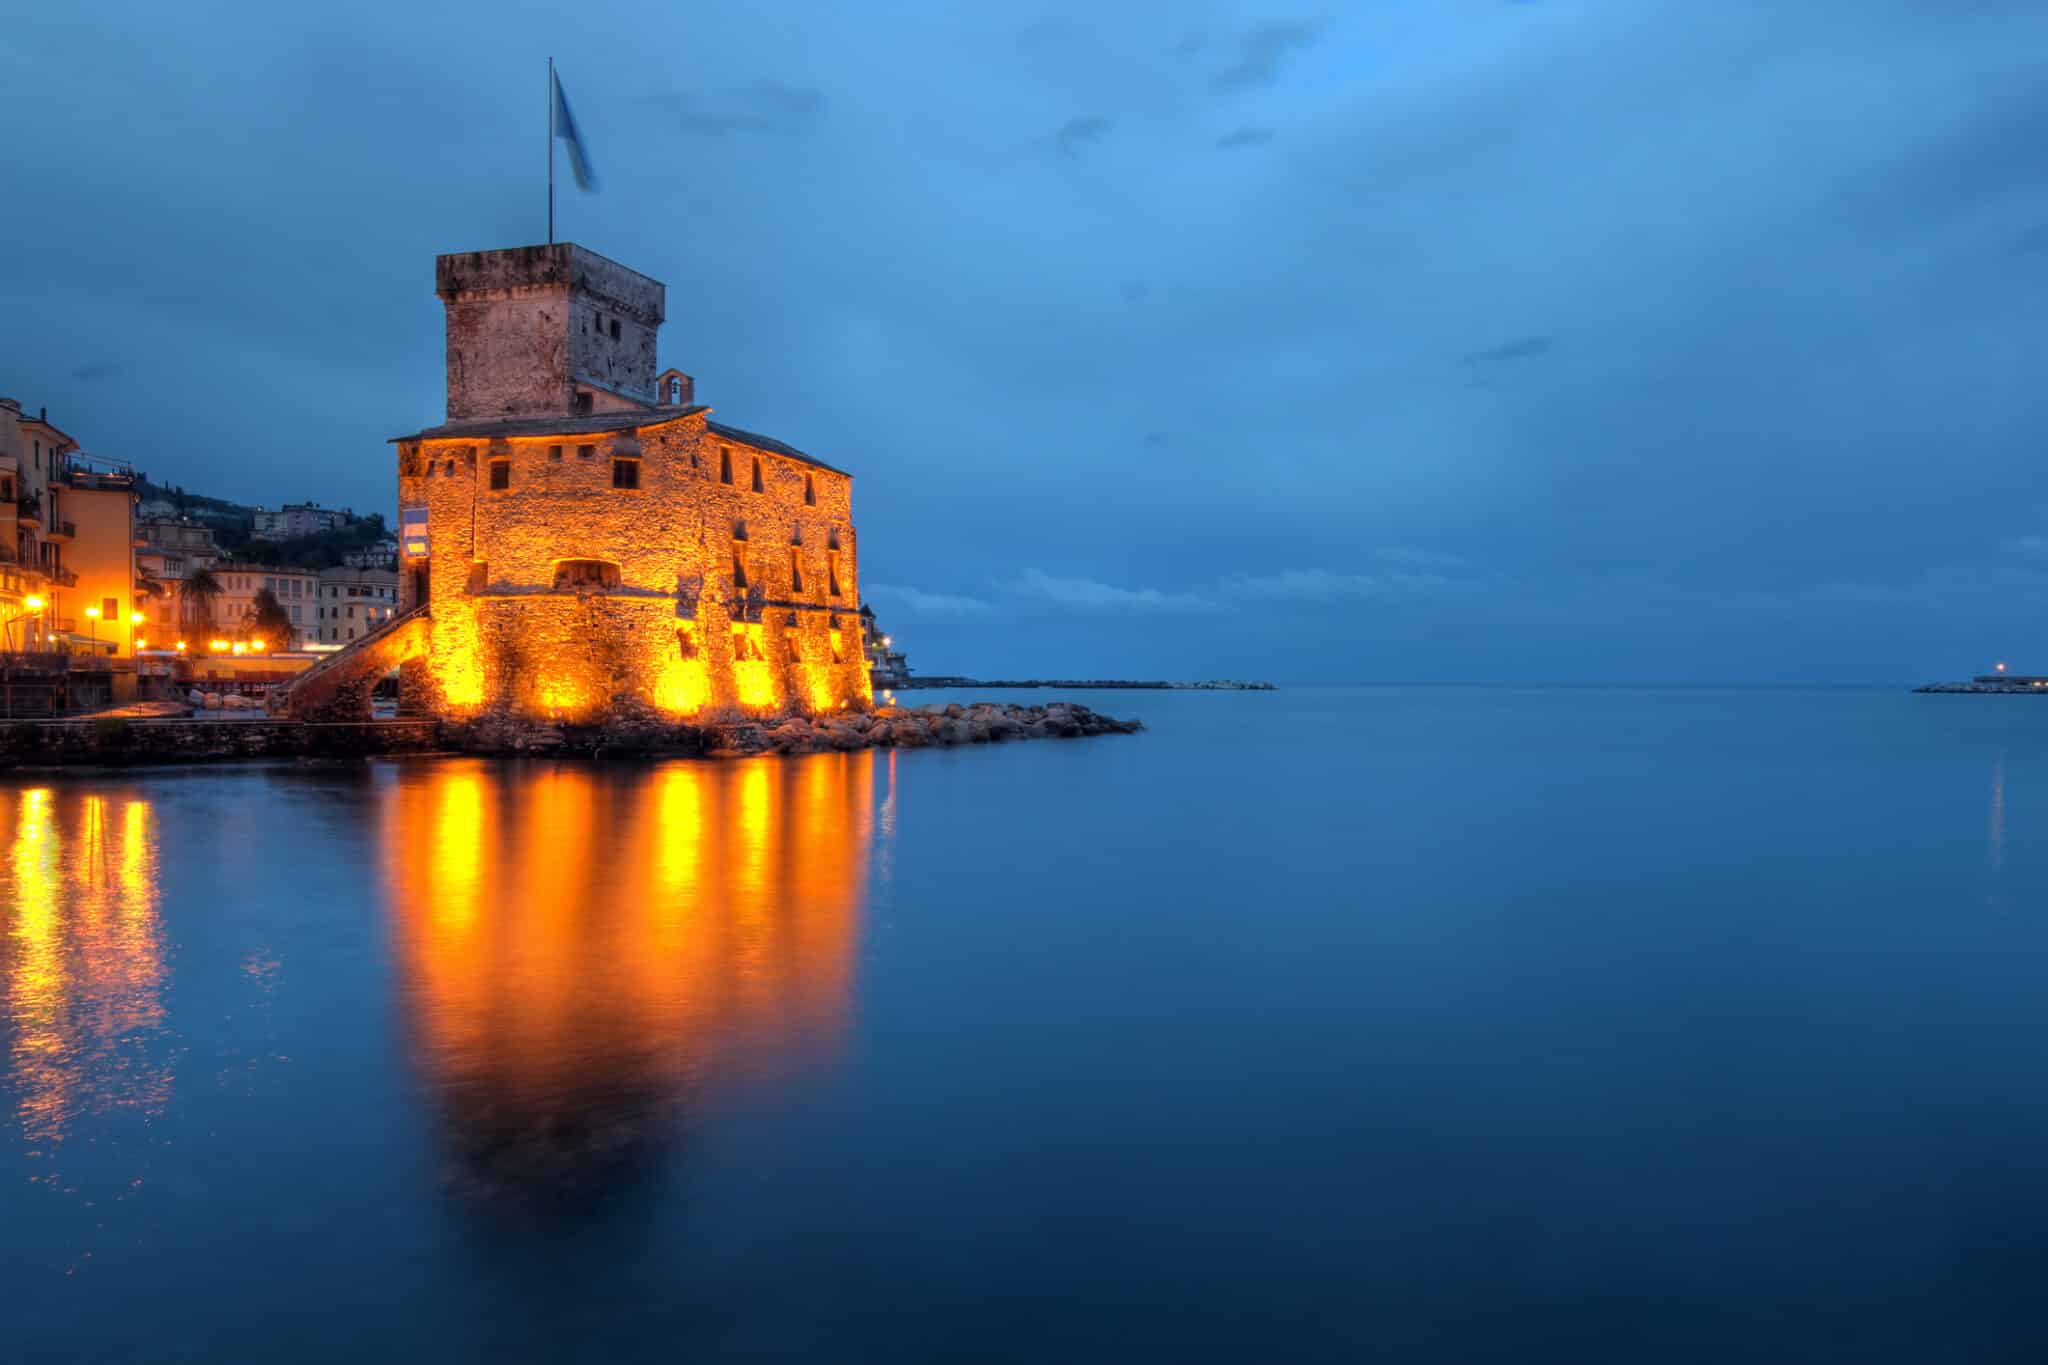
(1459, 1024)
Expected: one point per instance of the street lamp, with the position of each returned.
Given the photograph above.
(93, 613)
(35, 604)
(134, 633)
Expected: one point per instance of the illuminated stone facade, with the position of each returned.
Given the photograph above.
(587, 551)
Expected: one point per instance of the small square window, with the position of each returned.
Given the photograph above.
(501, 473)
(585, 452)
(625, 473)
(555, 454)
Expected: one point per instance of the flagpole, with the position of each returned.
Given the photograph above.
(551, 151)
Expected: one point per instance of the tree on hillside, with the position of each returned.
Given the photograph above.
(196, 602)
(269, 621)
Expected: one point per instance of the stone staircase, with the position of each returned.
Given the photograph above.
(339, 686)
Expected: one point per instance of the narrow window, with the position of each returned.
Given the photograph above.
(832, 572)
(793, 641)
(686, 642)
(501, 473)
(555, 454)
(725, 464)
(586, 575)
(796, 534)
(585, 452)
(796, 570)
(739, 529)
(810, 492)
(625, 473)
(838, 645)
(739, 570)
(110, 608)
(450, 469)
(832, 538)
(615, 329)
(757, 476)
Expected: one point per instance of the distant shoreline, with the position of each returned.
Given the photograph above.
(1121, 684)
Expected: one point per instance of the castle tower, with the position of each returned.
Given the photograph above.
(547, 330)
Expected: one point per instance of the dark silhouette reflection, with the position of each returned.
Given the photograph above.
(82, 958)
(582, 950)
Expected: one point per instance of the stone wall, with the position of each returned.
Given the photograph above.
(108, 741)
(666, 638)
(524, 325)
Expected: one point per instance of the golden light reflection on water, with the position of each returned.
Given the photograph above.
(82, 958)
(583, 949)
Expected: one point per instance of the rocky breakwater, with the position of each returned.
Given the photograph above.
(898, 727)
(918, 727)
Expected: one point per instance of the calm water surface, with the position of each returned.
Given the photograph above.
(1409, 1025)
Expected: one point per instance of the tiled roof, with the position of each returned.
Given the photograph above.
(593, 424)
(768, 443)
(604, 424)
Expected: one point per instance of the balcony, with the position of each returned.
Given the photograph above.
(29, 509)
(61, 530)
(63, 578)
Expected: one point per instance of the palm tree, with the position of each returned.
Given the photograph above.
(201, 587)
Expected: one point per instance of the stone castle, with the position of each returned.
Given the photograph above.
(581, 542)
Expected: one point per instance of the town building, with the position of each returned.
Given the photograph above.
(584, 542)
(60, 512)
(231, 613)
(108, 603)
(378, 554)
(352, 603)
(889, 666)
(31, 561)
(297, 519)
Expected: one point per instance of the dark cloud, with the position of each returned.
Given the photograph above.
(99, 369)
(765, 107)
(1245, 137)
(1078, 133)
(1135, 291)
(1521, 348)
(1261, 52)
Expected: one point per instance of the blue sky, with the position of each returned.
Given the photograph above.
(1573, 340)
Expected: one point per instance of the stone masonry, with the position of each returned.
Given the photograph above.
(590, 553)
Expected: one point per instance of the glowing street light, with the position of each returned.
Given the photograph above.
(2000, 667)
(93, 614)
(33, 603)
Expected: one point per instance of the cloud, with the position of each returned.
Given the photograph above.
(1402, 554)
(1521, 348)
(1245, 137)
(1321, 585)
(99, 369)
(921, 603)
(766, 107)
(1086, 594)
(1078, 133)
(1288, 585)
(2028, 547)
(1261, 52)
